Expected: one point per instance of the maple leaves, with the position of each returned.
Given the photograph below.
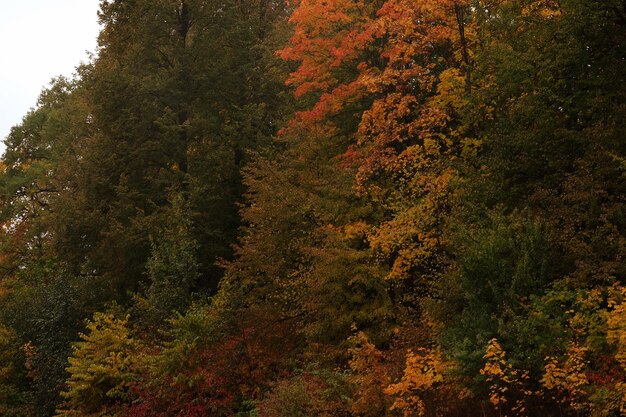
(326, 35)
(404, 56)
(407, 138)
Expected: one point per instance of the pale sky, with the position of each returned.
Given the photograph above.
(40, 40)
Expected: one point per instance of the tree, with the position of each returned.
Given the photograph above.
(172, 268)
(14, 392)
(101, 368)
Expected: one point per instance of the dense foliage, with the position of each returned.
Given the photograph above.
(323, 208)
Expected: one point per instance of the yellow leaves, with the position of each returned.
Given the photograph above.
(470, 147)
(568, 378)
(408, 132)
(101, 367)
(413, 239)
(616, 334)
(424, 372)
(545, 9)
(356, 230)
(404, 237)
(506, 384)
(587, 372)
(495, 357)
(451, 90)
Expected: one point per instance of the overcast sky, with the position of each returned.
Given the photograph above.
(39, 40)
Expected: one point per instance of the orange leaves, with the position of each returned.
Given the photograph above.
(423, 389)
(329, 104)
(388, 77)
(417, 28)
(319, 17)
(330, 38)
(369, 378)
(326, 35)
(356, 230)
(383, 121)
(616, 335)
(424, 373)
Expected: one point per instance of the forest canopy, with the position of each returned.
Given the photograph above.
(340, 208)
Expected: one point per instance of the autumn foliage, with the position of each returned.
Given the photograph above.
(339, 208)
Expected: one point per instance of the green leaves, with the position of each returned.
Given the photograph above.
(173, 269)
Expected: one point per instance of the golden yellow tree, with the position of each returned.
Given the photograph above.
(616, 335)
(101, 368)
